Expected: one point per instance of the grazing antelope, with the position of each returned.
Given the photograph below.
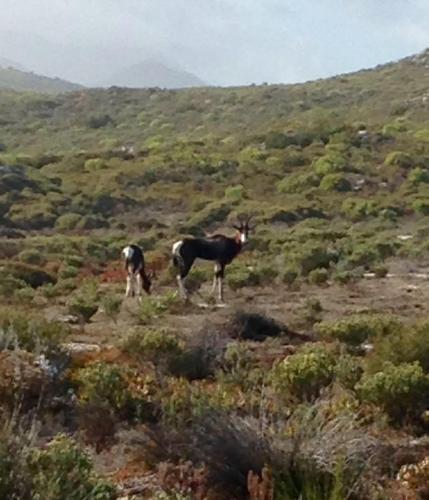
(137, 278)
(219, 248)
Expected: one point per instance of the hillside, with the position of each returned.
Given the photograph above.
(152, 73)
(312, 382)
(16, 79)
(8, 63)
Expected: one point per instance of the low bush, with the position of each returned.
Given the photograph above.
(312, 256)
(151, 345)
(358, 328)
(240, 276)
(152, 308)
(407, 345)
(32, 275)
(95, 164)
(111, 305)
(358, 208)
(421, 207)
(348, 371)
(124, 390)
(318, 276)
(331, 163)
(63, 470)
(85, 303)
(297, 183)
(313, 310)
(67, 221)
(399, 159)
(418, 176)
(335, 182)
(202, 354)
(402, 391)
(33, 335)
(302, 375)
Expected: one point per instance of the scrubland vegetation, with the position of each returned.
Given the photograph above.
(313, 384)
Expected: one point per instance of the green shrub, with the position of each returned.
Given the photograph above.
(241, 276)
(310, 256)
(95, 164)
(304, 374)
(318, 276)
(32, 257)
(400, 390)
(152, 308)
(112, 305)
(32, 275)
(344, 277)
(85, 303)
(348, 371)
(422, 135)
(234, 193)
(68, 271)
(33, 335)
(67, 221)
(80, 307)
(24, 295)
(214, 212)
(418, 176)
(335, 182)
(358, 328)
(297, 183)
(358, 208)
(399, 159)
(62, 470)
(408, 344)
(312, 309)
(421, 207)
(124, 390)
(331, 163)
(151, 345)
(289, 274)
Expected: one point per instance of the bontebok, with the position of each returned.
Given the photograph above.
(137, 278)
(218, 248)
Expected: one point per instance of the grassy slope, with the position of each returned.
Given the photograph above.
(11, 78)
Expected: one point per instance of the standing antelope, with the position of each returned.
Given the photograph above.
(137, 278)
(219, 248)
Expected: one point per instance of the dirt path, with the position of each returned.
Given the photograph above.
(404, 292)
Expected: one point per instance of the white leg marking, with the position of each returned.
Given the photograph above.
(129, 287)
(215, 279)
(139, 284)
(220, 289)
(182, 288)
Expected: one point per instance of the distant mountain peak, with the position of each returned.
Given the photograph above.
(154, 73)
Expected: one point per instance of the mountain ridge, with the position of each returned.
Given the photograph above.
(154, 73)
(15, 79)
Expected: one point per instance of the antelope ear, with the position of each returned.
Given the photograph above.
(236, 226)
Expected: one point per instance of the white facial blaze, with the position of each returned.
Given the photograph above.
(127, 252)
(243, 237)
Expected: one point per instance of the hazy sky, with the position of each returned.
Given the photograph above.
(224, 42)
